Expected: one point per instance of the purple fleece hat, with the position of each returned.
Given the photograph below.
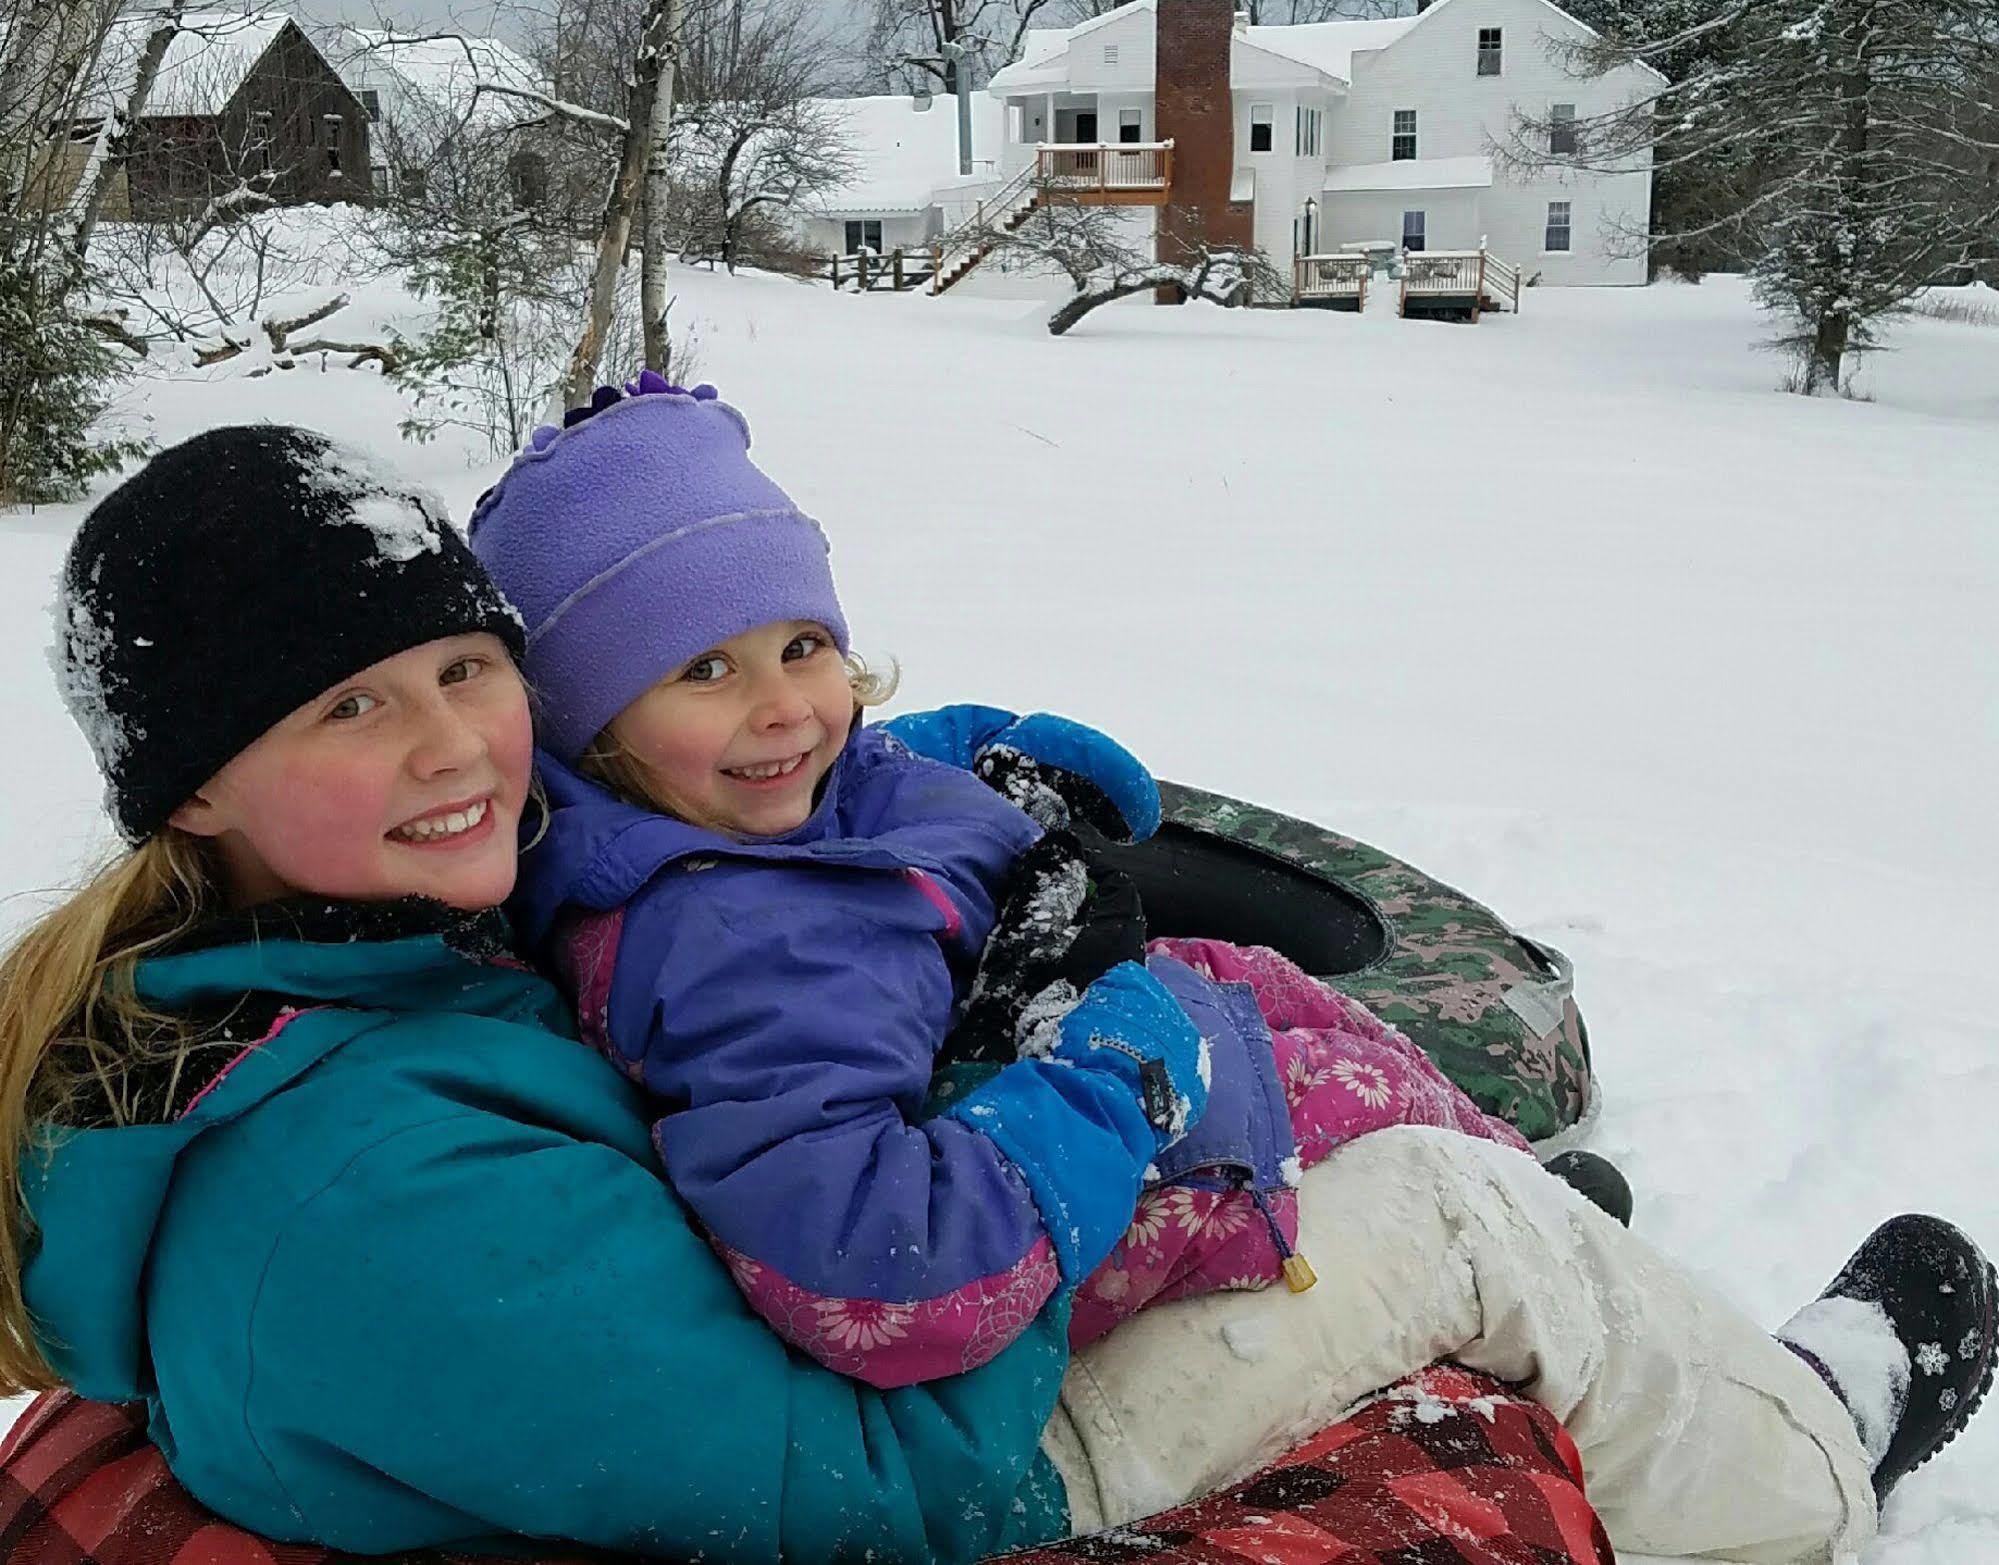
(637, 537)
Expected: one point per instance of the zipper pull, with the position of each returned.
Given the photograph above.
(1298, 1273)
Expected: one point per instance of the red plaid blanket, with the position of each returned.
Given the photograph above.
(1448, 1468)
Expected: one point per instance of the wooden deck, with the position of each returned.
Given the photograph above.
(1457, 284)
(1330, 282)
(1107, 173)
(1093, 174)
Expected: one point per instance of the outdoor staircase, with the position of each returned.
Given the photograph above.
(1122, 173)
(972, 241)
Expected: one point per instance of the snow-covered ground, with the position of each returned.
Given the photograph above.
(1696, 680)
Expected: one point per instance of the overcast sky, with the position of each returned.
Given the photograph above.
(505, 18)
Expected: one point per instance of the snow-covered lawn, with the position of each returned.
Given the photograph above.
(1696, 680)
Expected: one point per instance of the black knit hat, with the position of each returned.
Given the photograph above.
(229, 581)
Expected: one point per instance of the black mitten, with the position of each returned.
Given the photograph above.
(1053, 795)
(1067, 916)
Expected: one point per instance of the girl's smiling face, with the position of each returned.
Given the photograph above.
(739, 738)
(406, 779)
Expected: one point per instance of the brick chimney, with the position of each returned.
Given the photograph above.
(1194, 108)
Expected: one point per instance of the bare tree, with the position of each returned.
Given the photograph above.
(57, 361)
(114, 130)
(659, 60)
(1104, 260)
(750, 137)
(906, 39)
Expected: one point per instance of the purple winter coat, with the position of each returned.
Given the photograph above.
(784, 1001)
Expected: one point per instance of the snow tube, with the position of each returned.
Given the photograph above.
(1495, 1010)
(1447, 1466)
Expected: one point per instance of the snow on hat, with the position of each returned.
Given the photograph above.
(229, 581)
(636, 537)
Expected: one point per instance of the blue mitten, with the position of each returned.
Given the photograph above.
(1128, 1025)
(1057, 770)
(1102, 1087)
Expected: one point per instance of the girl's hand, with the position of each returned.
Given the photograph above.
(1067, 917)
(1059, 771)
(1127, 1024)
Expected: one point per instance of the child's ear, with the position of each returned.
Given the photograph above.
(198, 818)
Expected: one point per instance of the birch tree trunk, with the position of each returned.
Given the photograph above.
(96, 182)
(658, 190)
(662, 18)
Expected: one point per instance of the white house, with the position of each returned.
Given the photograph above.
(904, 155)
(1351, 132)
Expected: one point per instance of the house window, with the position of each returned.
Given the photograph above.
(1110, 54)
(1412, 230)
(864, 233)
(1308, 132)
(371, 100)
(331, 126)
(1558, 226)
(1562, 128)
(1305, 229)
(1128, 125)
(378, 178)
(1488, 51)
(1403, 146)
(1262, 119)
(259, 160)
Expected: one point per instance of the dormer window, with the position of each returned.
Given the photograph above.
(1488, 51)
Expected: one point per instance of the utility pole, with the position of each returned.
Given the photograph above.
(955, 50)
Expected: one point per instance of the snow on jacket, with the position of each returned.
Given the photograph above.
(784, 1000)
(401, 1272)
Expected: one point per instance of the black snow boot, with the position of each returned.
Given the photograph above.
(1925, 1282)
(1597, 1178)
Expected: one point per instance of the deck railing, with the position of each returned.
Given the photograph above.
(1098, 174)
(1448, 277)
(1335, 277)
(1106, 170)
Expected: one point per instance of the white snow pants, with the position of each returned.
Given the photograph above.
(1700, 1434)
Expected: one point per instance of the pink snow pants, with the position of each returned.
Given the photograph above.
(1345, 1072)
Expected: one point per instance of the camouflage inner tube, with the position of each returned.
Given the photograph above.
(1494, 1009)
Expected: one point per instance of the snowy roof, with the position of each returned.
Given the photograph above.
(1412, 174)
(208, 60)
(1331, 46)
(901, 153)
(1328, 47)
(443, 70)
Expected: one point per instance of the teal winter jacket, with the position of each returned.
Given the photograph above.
(393, 1265)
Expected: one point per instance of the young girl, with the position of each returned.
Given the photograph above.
(771, 917)
(773, 925)
(303, 1160)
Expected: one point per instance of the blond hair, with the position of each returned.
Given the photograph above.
(608, 761)
(72, 1027)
